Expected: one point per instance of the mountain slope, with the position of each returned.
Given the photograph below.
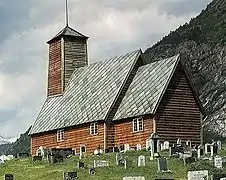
(201, 43)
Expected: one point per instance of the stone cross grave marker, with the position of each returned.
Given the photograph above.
(8, 177)
(141, 160)
(100, 163)
(218, 162)
(198, 175)
(134, 178)
(138, 147)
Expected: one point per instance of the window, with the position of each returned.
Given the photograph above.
(137, 125)
(93, 128)
(60, 135)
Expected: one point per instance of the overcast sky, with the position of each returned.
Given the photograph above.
(114, 27)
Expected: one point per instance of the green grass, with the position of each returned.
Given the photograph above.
(25, 169)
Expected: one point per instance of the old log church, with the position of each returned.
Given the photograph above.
(123, 100)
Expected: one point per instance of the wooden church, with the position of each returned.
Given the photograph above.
(110, 103)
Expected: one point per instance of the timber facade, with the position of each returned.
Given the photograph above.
(112, 103)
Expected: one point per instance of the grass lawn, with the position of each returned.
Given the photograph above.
(25, 169)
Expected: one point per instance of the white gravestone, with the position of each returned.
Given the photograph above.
(141, 160)
(188, 143)
(178, 141)
(161, 147)
(223, 178)
(126, 147)
(218, 162)
(219, 145)
(138, 147)
(100, 163)
(166, 145)
(147, 144)
(134, 178)
(198, 175)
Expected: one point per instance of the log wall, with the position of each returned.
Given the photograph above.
(73, 138)
(124, 132)
(75, 54)
(178, 115)
(54, 72)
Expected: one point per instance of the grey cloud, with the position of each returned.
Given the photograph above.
(183, 7)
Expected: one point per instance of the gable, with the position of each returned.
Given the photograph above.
(147, 88)
(88, 96)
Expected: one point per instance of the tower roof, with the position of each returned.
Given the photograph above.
(68, 31)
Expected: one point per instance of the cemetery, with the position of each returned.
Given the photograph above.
(179, 161)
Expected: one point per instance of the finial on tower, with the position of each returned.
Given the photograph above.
(66, 13)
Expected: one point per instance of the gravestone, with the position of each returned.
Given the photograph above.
(200, 152)
(218, 176)
(100, 163)
(126, 147)
(117, 158)
(141, 160)
(8, 177)
(162, 147)
(147, 144)
(166, 145)
(36, 158)
(134, 178)
(219, 145)
(128, 163)
(138, 147)
(70, 176)
(162, 165)
(178, 141)
(218, 162)
(56, 158)
(81, 165)
(198, 175)
(188, 143)
(92, 171)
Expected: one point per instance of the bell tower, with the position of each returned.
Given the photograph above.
(67, 51)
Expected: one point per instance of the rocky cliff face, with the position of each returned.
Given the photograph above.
(201, 44)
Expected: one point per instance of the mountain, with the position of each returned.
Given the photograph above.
(201, 43)
(4, 141)
(21, 145)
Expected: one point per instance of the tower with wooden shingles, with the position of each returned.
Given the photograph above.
(67, 51)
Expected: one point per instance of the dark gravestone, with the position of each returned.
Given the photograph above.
(8, 177)
(162, 165)
(57, 158)
(218, 176)
(92, 171)
(62, 151)
(116, 149)
(121, 162)
(189, 160)
(81, 165)
(215, 148)
(201, 152)
(36, 158)
(70, 176)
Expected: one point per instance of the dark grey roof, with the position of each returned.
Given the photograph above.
(68, 31)
(88, 96)
(147, 88)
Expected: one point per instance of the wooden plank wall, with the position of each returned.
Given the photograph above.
(75, 54)
(124, 132)
(73, 139)
(178, 115)
(54, 71)
(110, 127)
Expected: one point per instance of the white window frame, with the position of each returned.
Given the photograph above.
(60, 135)
(93, 130)
(136, 125)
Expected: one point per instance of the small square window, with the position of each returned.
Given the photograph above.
(137, 125)
(60, 135)
(93, 128)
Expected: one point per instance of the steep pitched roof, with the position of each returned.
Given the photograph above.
(68, 31)
(88, 96)
(147, 88)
